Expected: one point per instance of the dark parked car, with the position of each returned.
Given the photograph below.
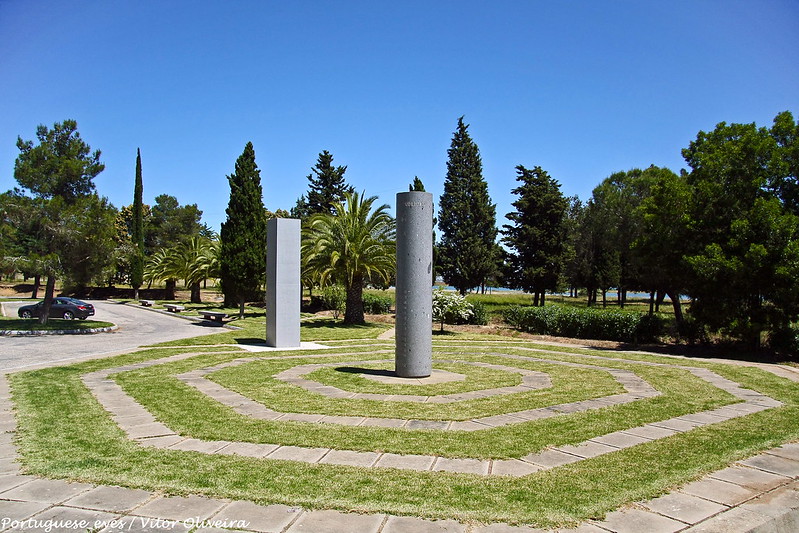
(66, 308)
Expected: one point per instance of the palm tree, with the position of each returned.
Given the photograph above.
(192, 261)
(350, 247)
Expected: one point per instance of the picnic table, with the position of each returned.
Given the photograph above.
(174, 308)
(212, 315)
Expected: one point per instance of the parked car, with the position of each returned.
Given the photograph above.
(62, 307)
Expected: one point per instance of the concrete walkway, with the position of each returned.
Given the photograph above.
(757, 494)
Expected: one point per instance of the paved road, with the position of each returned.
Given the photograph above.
(137, 327)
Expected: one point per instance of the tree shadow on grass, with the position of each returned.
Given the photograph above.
(331, 323)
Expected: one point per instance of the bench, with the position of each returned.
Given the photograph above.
(147, 303)
(174, 308)
(210, 315)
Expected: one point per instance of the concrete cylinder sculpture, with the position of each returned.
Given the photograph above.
(283, 282)
(414, 294)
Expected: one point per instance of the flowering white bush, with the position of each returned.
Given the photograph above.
(450, 307)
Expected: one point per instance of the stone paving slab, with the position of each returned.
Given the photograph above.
(350, 458)
(407, 524)
(638, 521)
(513, 467)
(202, 446)
(750, 477)
(46, 491)
(551, 458)
(261, 518)
(20, 510)
(719, 491)
(295, 453)
(406, 462)
(67, 519)
(467, 466)
(788, 451)
(8, 482)
(774, 464)
(336, 522)
(588, 449)
(620, 439)
(684, 507)
(249, 449)
(181, 507)
(112, 499)
(735, 520)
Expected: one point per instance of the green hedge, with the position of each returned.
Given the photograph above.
(584, 323)
(377, 304)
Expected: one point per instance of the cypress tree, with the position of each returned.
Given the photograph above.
(537, 232)
(326, 185)
(137, 232)
(467, 218)
(243, 235)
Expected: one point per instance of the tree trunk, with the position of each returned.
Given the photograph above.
(241, 307)
(195, 294)
(37, 281)
(48, 300)
(543, 296)
(660, 297)
(535, 298)
(170, 289)
(651, 302)
(604, 298)
(353, 312)
(135, 293)
(675, 303)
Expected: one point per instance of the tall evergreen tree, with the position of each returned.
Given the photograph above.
(326, 187)
(536, 233)
(137, 233)
(417, 185)
(243, 235)
(467, 218)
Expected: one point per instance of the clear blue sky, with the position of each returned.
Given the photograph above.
(581, 88)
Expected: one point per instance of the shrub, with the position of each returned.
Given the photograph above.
(377, 304)
(334, 297)
(785, 340)
(626, 326)
(479, 314)
(450, 308)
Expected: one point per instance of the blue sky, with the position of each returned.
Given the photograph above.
(581, 88)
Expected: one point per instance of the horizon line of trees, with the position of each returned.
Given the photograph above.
(723, 233)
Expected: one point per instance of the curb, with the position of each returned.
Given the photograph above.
(27, 333)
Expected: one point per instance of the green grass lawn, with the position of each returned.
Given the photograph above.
(350, 378)
(65, 433)
(53, 324)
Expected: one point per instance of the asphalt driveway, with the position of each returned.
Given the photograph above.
(137, 327)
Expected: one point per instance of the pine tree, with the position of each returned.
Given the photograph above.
(417, 185)
(536, 234)
(467, 218)
(137, 233)
(243, 235)
(326, 187)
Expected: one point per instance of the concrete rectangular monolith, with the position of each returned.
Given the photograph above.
(414, 295)
(283, 288)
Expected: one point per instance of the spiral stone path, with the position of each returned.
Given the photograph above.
(757, 494)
